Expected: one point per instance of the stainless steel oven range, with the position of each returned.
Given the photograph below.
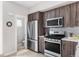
(53, 44)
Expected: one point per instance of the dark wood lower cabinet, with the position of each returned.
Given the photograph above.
(41, 44)
(68, 48)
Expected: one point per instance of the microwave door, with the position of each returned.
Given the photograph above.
(52, 22)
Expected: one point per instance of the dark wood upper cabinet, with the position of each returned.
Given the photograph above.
(77, 21)
(57, 12)
(62, 10)
(67, 16)
(33, 16)
(65, 12)
(37, 16)
(52, 13)
(48, 14)
(30, 17)
(73, 14)
(41, 24)
(45, 15)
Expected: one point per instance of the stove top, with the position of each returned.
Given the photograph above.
(59, 37)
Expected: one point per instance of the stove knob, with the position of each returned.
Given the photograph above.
(49, 39)
(56, 40)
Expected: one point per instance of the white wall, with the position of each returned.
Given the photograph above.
(1, 49)
(9, 34)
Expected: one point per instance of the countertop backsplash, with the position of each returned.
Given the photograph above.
(68, 30)
(74, 30)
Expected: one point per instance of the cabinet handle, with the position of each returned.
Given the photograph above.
(63, 46)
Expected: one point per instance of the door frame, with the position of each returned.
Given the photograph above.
(25, 31)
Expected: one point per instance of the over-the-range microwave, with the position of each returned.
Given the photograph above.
(55, 22)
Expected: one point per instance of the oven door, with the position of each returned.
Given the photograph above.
(52, 47)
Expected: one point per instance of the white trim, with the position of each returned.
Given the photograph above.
(25, 43)
(6, 54)
(1, 27)
(23, 18)
(52, 53)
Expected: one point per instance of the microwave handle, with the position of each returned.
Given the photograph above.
(58, 22)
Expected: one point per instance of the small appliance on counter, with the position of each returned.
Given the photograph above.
(69, 34)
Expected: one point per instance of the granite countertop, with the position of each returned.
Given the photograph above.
(70, 39)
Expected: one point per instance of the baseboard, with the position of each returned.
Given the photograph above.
(10, 53)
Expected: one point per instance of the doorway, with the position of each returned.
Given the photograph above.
(20, 32)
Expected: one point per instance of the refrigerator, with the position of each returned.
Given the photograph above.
(32, 35)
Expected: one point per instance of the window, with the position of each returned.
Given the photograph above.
(19, 23)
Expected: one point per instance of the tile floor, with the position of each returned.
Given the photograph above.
(27, 53)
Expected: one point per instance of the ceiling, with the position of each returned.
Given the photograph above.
(28, 4)
(34, 6)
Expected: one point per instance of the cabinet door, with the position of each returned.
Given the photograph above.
(30, 17)
(57, 12)
(35, 16)
(77, 22)
(40, 27)
(52, 13)
(67, 16)
(41, 44)
(73, 48)
(65, 49)
(62, 10)
(73, 14)
(48, 14)
(68, 48)
(45, 17)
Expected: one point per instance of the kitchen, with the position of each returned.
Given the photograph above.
(46, 29)
(58, 30)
